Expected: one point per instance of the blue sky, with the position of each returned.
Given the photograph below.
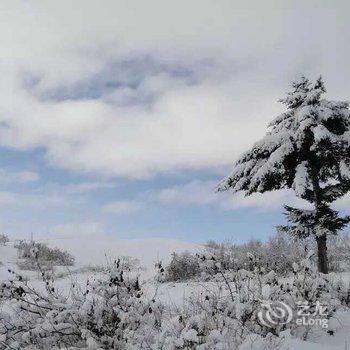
(121, 119)
(71, 198)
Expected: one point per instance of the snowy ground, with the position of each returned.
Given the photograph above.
(174, 294)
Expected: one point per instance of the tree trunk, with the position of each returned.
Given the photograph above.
(322, 254)
(321, 240)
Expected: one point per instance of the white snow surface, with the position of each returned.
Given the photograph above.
(174, 294)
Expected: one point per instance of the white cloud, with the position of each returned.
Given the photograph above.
(135, 142)
(32, 200)
(50, 195)
(7, 177)
(26, 176)
(203, 193)
(86, 187)
(122, 207)
(251, 52)
(194, 192)
(343, 204)
(78, 230)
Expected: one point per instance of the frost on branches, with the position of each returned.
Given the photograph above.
(109, 313)
(113, 311)
(306, 149)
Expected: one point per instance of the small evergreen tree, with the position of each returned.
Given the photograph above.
(306, 149)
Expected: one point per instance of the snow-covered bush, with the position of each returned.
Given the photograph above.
(226, 314)
(279, 254)
(4, 239)
(130, 263)
(247, 291)
(219, 317)
(341, 288)
(32, 253)
(110, 312)
(339, 253)
(182, 266)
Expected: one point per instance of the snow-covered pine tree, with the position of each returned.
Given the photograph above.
(306, 149)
